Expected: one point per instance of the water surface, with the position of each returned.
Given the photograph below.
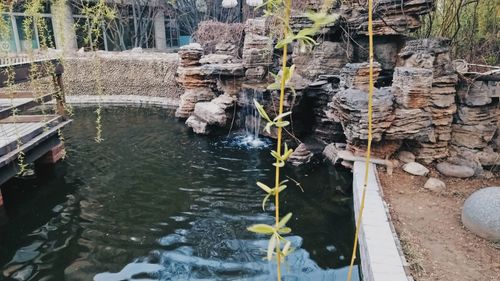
(155, 202)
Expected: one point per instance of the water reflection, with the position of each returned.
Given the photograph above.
(155, 202)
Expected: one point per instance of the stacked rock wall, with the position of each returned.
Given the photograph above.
(209, 97)
(475, 134)
(197, 87)
(393, 17)
(435, 81)
(415, 112)
(257, 49)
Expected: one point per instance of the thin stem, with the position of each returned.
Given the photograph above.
(280, 131)
(368, 149)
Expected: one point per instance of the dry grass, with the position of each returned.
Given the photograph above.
(211, 33)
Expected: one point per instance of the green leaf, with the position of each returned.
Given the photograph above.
(281, 124)
(276, 155)
(322, 19)
(280, 164)
(264, 187)
(265, 201)
(271, 246)
(261, 110)
(284, 220)
(290, 73)
(281, 188)
(287, 154)
(286, 74)
(274, 86)
(267, 128)
(261, 229)
(286, 248)
(285, 41)
(281, 116)
(284, 230)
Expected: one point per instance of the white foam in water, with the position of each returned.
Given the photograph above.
(129, 271)
(183, 264)
(253, 141)
(246, 141)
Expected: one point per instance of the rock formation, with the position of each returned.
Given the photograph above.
(419, 58)
(475, 126)
(325, 59)
(326, 127)
(257, 49)
(392, 17)
(208, 116)
(356, 75)
(198, 87)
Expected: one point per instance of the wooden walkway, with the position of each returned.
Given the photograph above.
(24, 136)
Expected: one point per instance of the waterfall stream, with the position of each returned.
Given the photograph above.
(250, 120)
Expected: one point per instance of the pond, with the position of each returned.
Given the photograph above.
(153, 201)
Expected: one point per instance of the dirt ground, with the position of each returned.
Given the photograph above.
(435, 243)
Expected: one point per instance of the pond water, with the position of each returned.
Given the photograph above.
(153, 201)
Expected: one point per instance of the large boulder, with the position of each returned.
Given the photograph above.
(481, 213)
(456, 171)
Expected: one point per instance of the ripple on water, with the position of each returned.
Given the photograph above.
(155, 202)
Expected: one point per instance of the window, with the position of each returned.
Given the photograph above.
(172, 33)
(27, 33)
(8, 43)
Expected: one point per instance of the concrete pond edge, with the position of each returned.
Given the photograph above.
(382, 258)
(123, 100)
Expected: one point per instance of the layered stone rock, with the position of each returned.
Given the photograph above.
(190, 55)
(475, 126)
(475, 135)
(189, 100)
(257, 49)
(357, 75)
(326, 127)
(208, 116)
(412, 87)
(478, 93)
(395, 16)
(301, 155)
(351, 108)
(198, 86)
(432, 88)
(411, 124)
(328, 58)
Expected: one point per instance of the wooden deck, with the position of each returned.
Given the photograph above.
(25, 135)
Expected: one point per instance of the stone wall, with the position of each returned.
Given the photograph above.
(124, 73)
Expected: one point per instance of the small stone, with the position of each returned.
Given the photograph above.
(415, 169)
(198, 125)
(406, 157)
(480, 213)
(435, 185)
(301, 155)
(456, 171)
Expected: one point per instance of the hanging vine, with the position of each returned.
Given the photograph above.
(278, 246)
(97, 14)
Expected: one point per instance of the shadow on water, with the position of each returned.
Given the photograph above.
(155, 202)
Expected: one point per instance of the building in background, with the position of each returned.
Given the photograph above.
(138, 23)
